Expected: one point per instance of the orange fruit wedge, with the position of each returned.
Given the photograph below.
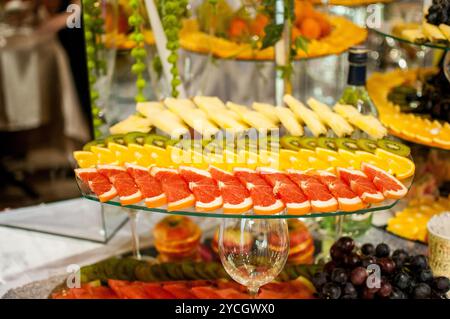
(104, 155)
(122, 153)
(401, 167)
(85, 159)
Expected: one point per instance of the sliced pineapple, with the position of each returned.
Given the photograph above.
(367, 123)
(133, 123)
(308, 117)
(433, 33)
(289, 120)
(192, 116)
(336, 122)
(219, 114)
(252, 118)
(267, 110)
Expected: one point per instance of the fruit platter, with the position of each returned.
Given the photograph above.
(239, 35)
(239, 174)
(433, 31)
(420, 119)
(349, 3)
(404, 275)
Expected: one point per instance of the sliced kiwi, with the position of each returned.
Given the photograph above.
(394, 147)
(157, 140)
(347, 144)
(290, 142)
(367, 145)
(327, 143)
(135, 138)
(309, 143)
(99, 143)
(115, 138)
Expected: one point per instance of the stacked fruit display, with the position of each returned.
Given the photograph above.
(240, 34)
(416, 128)
(301, 243)
(350, 274)
(177, 238)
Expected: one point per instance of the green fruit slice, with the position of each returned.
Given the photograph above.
(327, 143)
(115, 138)
(394, 147)
(135, 138)
(99, 143)
(367, 145)
(347, 144)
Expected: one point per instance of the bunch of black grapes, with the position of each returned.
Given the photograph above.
(439, 12)
(402, 275)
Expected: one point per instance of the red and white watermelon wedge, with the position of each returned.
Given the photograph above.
(347, 199)
(148, 185)
(320, 197)
(264, 200)
(98, 184)
(207, 194)
(127, 189)
(390, 186)
(174, 186)
(236, 198)
(360, 184)
(292, 196)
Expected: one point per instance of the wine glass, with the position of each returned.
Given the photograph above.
(253, 251)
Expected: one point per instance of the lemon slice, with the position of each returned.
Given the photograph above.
(269, 159)
(104, 155)
(158, 156)
(351, 158)
(140, 155)
(85, 159)
(374, 160)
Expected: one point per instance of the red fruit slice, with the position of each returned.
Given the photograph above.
(347, 199)
(264, 200)
(385, 182)
(148, 185)
(205, 293)
(292, 196)
(127, 290)
(232, 294)
(236, 198)
(360, 184)
(319, 195)
(179, 291)
(98, 184)
(177, 191)
(127, 189)
(155, 291)
(207, 194)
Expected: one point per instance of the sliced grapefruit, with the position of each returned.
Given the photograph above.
(176, 189)
(361, 185)
(292, 196)
(264, 200)
(98, 184)
(127, 189)
(347, 199)
(385, 182)
(148, 185)
(236, 198)
(320, 197)
(207, 194)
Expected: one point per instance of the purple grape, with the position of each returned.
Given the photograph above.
(336, 253)
(419, 262)
(386, 264)
(425, 275)
(339, 276)
(441, 284)
(397, 294)
(368, 249)
(402, 280)
(382, 250)
(330, 291)
(349, 289)
(329, 266)
(346, 244)
(385, 290)
(352, 260)
(369, 260)
(358, 276)
(421, 291)
(319, 279)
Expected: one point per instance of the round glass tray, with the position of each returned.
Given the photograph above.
(387, 204)
(386, 30)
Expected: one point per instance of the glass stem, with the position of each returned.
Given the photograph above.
(253, 291)
(339, 223)
(133, 216)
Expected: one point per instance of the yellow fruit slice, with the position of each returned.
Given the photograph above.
(104, 155)
(269, 159)
(249, 159)
(402, 167)
(198, 160)
(122, 153)
(373, 159)
(351, 158)
(332, 157)
(304, 154)
(85, 159)
(233, 160)
(289, 159)
(140, 155)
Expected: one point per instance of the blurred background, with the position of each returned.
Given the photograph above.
(44, 101)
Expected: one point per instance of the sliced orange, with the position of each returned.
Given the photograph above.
(104, 155)
(332, 157)
(182, 203)
(289, 159)
(157, 155)
(373, 159)
(401, 167)
(350, 158)
(122, 152)
(85, 159)
(269, 159)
